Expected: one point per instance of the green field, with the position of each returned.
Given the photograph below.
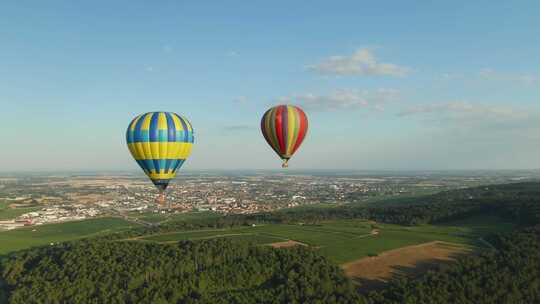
(7, 213)
(149, 217)
(347, 240)
(401, 199)
(341, 241)
(152, 217)
(234, 234)
(52, 233)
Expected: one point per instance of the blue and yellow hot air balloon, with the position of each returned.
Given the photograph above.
(160, 142)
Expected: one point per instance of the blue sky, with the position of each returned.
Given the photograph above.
(386, 84)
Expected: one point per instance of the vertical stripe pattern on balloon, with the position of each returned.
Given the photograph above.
(284, 127)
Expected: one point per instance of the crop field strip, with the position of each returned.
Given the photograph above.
(285, 232)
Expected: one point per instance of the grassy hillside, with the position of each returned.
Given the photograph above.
(151, 217)
(347, 240)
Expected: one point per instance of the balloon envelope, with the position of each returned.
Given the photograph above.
(284, 127)
(160, 142)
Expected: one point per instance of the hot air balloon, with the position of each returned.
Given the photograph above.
(160, 142)
(284, 127)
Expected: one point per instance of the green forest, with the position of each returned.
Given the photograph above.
(109, 269)
(217, 271)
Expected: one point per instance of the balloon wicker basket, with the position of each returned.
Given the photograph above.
(161, 200)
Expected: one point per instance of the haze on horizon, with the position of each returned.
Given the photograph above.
(386, 85)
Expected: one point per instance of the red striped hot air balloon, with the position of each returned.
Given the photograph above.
(284, 127)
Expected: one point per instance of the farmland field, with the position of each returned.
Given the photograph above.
(152, 217)
(373, 272)
(347, 240)
(42, 235)
(341, 241)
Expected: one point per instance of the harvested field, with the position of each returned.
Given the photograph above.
(287, 244)
(373, 272)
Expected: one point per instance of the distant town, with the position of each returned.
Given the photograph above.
(37, 199)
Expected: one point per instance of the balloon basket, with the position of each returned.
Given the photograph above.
(161, 200)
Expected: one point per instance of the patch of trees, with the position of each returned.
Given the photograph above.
(216, 271)
(509, 275)
(519, 202)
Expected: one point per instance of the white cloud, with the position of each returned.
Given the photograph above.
(167, 48)
(149, 68)
(344, 99)
(361, 62)
(241, 100)
(491, 74)
(466, 135)
(451, 76)
(235, 128)
(466, 111)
